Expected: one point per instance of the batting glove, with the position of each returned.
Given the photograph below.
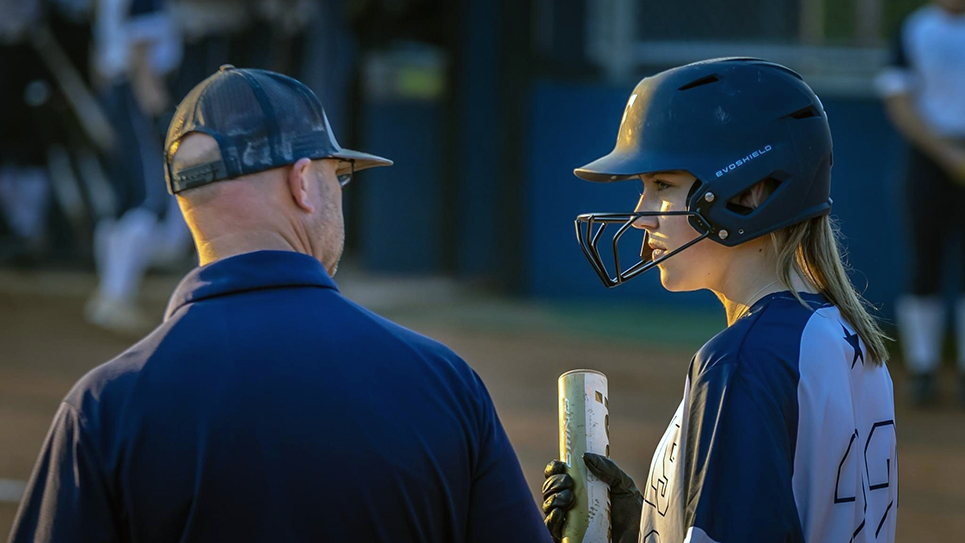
(626, 502)
(557, 498)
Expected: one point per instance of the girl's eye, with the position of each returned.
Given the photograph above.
(657, 184)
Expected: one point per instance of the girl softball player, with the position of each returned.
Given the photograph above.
(786, 431)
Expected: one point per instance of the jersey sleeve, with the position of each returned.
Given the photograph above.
(66, 499)
(898, 76)
(501, 507)
(738, 463)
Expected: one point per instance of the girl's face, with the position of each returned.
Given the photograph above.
(703, 265)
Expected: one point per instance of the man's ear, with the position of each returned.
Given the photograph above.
(299, 183)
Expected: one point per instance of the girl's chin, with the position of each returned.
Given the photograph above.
(667, 279)
(673, 283)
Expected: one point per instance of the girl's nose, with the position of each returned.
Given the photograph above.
(647, 223)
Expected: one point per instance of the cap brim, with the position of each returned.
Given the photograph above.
(621, 165)
(615, 166)
(362, 161)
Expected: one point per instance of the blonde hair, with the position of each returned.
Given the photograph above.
(812, 249)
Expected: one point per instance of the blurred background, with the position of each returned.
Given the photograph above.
(486, 106)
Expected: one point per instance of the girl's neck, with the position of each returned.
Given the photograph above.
(737, 299)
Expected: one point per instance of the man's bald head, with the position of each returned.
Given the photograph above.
(298, 206)
(193, 150)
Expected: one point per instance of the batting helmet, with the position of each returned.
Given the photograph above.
(731, 123)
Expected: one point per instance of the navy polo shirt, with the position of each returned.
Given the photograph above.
(268, 407)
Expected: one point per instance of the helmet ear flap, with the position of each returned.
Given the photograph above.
(694, 189)
(697, 203)
(712, 214)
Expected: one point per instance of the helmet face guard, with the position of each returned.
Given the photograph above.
(590, 228)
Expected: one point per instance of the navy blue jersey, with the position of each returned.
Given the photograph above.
(786, 434)
(269, 408)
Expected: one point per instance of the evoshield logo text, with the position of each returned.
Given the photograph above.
(740, 162)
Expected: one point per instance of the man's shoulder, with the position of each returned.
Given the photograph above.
(112, 382)
(213, 344)
(321, 316)
(422, 348)
(404, 334)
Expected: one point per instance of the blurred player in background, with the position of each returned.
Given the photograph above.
(278, 38)
(267, 407)
(786, 431)
(924, 91)
(52, 126)
(136, 43)
(24, 186)
(213, 32)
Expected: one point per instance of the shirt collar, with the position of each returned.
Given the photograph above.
(812, 299)
(246, 272)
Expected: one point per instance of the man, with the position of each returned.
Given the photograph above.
(266, 406)
(924, 91)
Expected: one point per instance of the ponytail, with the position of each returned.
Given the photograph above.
(811, 249)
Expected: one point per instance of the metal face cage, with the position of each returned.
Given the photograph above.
(590, 228)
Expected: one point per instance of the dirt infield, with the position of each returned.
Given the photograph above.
(518, 349)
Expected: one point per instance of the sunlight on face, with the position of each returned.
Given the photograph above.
(699, 266)
(328, 225)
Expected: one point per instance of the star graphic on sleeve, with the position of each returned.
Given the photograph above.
(852, 340)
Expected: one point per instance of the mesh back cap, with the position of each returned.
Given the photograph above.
(260, 120)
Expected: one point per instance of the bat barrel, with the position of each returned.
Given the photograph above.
(584, 427)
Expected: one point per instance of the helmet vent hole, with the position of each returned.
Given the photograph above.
(739, 209)
(747, 202)
(706, 80)
(805, 113)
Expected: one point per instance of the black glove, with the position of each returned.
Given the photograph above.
(626, 502)
(557, 498)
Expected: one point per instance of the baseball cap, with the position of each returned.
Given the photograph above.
(260, 120)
